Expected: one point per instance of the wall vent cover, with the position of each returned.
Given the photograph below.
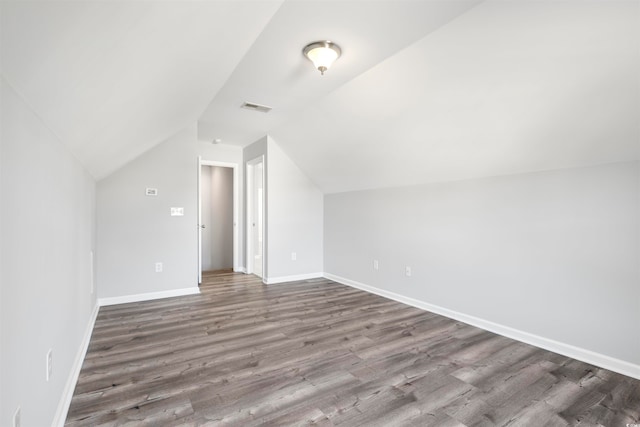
(256, 107)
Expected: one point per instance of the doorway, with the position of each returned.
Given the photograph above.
(217, 216)
(255, 217)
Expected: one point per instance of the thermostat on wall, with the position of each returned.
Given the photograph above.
(151, 192)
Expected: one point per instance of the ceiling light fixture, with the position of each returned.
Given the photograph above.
(322, 54)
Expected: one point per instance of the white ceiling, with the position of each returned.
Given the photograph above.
(508, 87)
(425, 90)
(274, 71)
(114, 78)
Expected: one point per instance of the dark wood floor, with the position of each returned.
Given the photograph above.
(317, 352)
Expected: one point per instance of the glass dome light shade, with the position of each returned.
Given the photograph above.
(322, 54)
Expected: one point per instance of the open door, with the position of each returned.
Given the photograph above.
(201, 221)
(255, 217)
(199, 225)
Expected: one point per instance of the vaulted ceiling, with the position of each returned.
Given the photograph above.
(424, 91)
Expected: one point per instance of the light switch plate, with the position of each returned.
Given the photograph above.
(177, 211)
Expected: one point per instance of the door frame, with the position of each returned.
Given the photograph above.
(236, 212)
(250, 165)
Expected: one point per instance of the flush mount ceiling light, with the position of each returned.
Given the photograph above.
(322, 54)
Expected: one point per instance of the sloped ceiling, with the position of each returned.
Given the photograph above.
(507, 87)
(275, 73)
(425, 90)
(114, 78)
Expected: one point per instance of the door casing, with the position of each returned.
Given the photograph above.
(251, 230)
(236, 212)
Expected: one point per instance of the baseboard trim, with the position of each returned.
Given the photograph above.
(240, 270)
(283, 279)
(584, 355)
(70, 386)
(148, 296)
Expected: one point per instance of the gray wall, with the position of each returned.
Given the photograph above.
(135, 231)
(293, 214)
(216, 189)
(47, 227)
(295, 207)
(555, 254)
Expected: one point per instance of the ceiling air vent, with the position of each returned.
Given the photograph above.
(256, 107)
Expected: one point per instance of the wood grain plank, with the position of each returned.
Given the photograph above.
(318, 353)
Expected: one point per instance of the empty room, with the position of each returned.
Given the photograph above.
(299, 212)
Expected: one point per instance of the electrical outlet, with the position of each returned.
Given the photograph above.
(16, 418)
(158, 267)
(407, 271)
(49, 364)
(375, 264)
(294, 256)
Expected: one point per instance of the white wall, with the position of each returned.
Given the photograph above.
(555, 254)
(295, 212)
(47, 227)
(293, 217)
(135, 231)
(251, 152)
(216, 189)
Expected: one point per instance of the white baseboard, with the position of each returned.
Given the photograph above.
(240, 270)
(588, 356)
(70, 386)
(148, 296)
(282, 279)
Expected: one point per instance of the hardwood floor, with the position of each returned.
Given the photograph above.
(317, 352)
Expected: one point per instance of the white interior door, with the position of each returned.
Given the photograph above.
(258, 221)
(255, 217)
(199, 225)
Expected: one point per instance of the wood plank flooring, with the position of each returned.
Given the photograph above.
(317, 352)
